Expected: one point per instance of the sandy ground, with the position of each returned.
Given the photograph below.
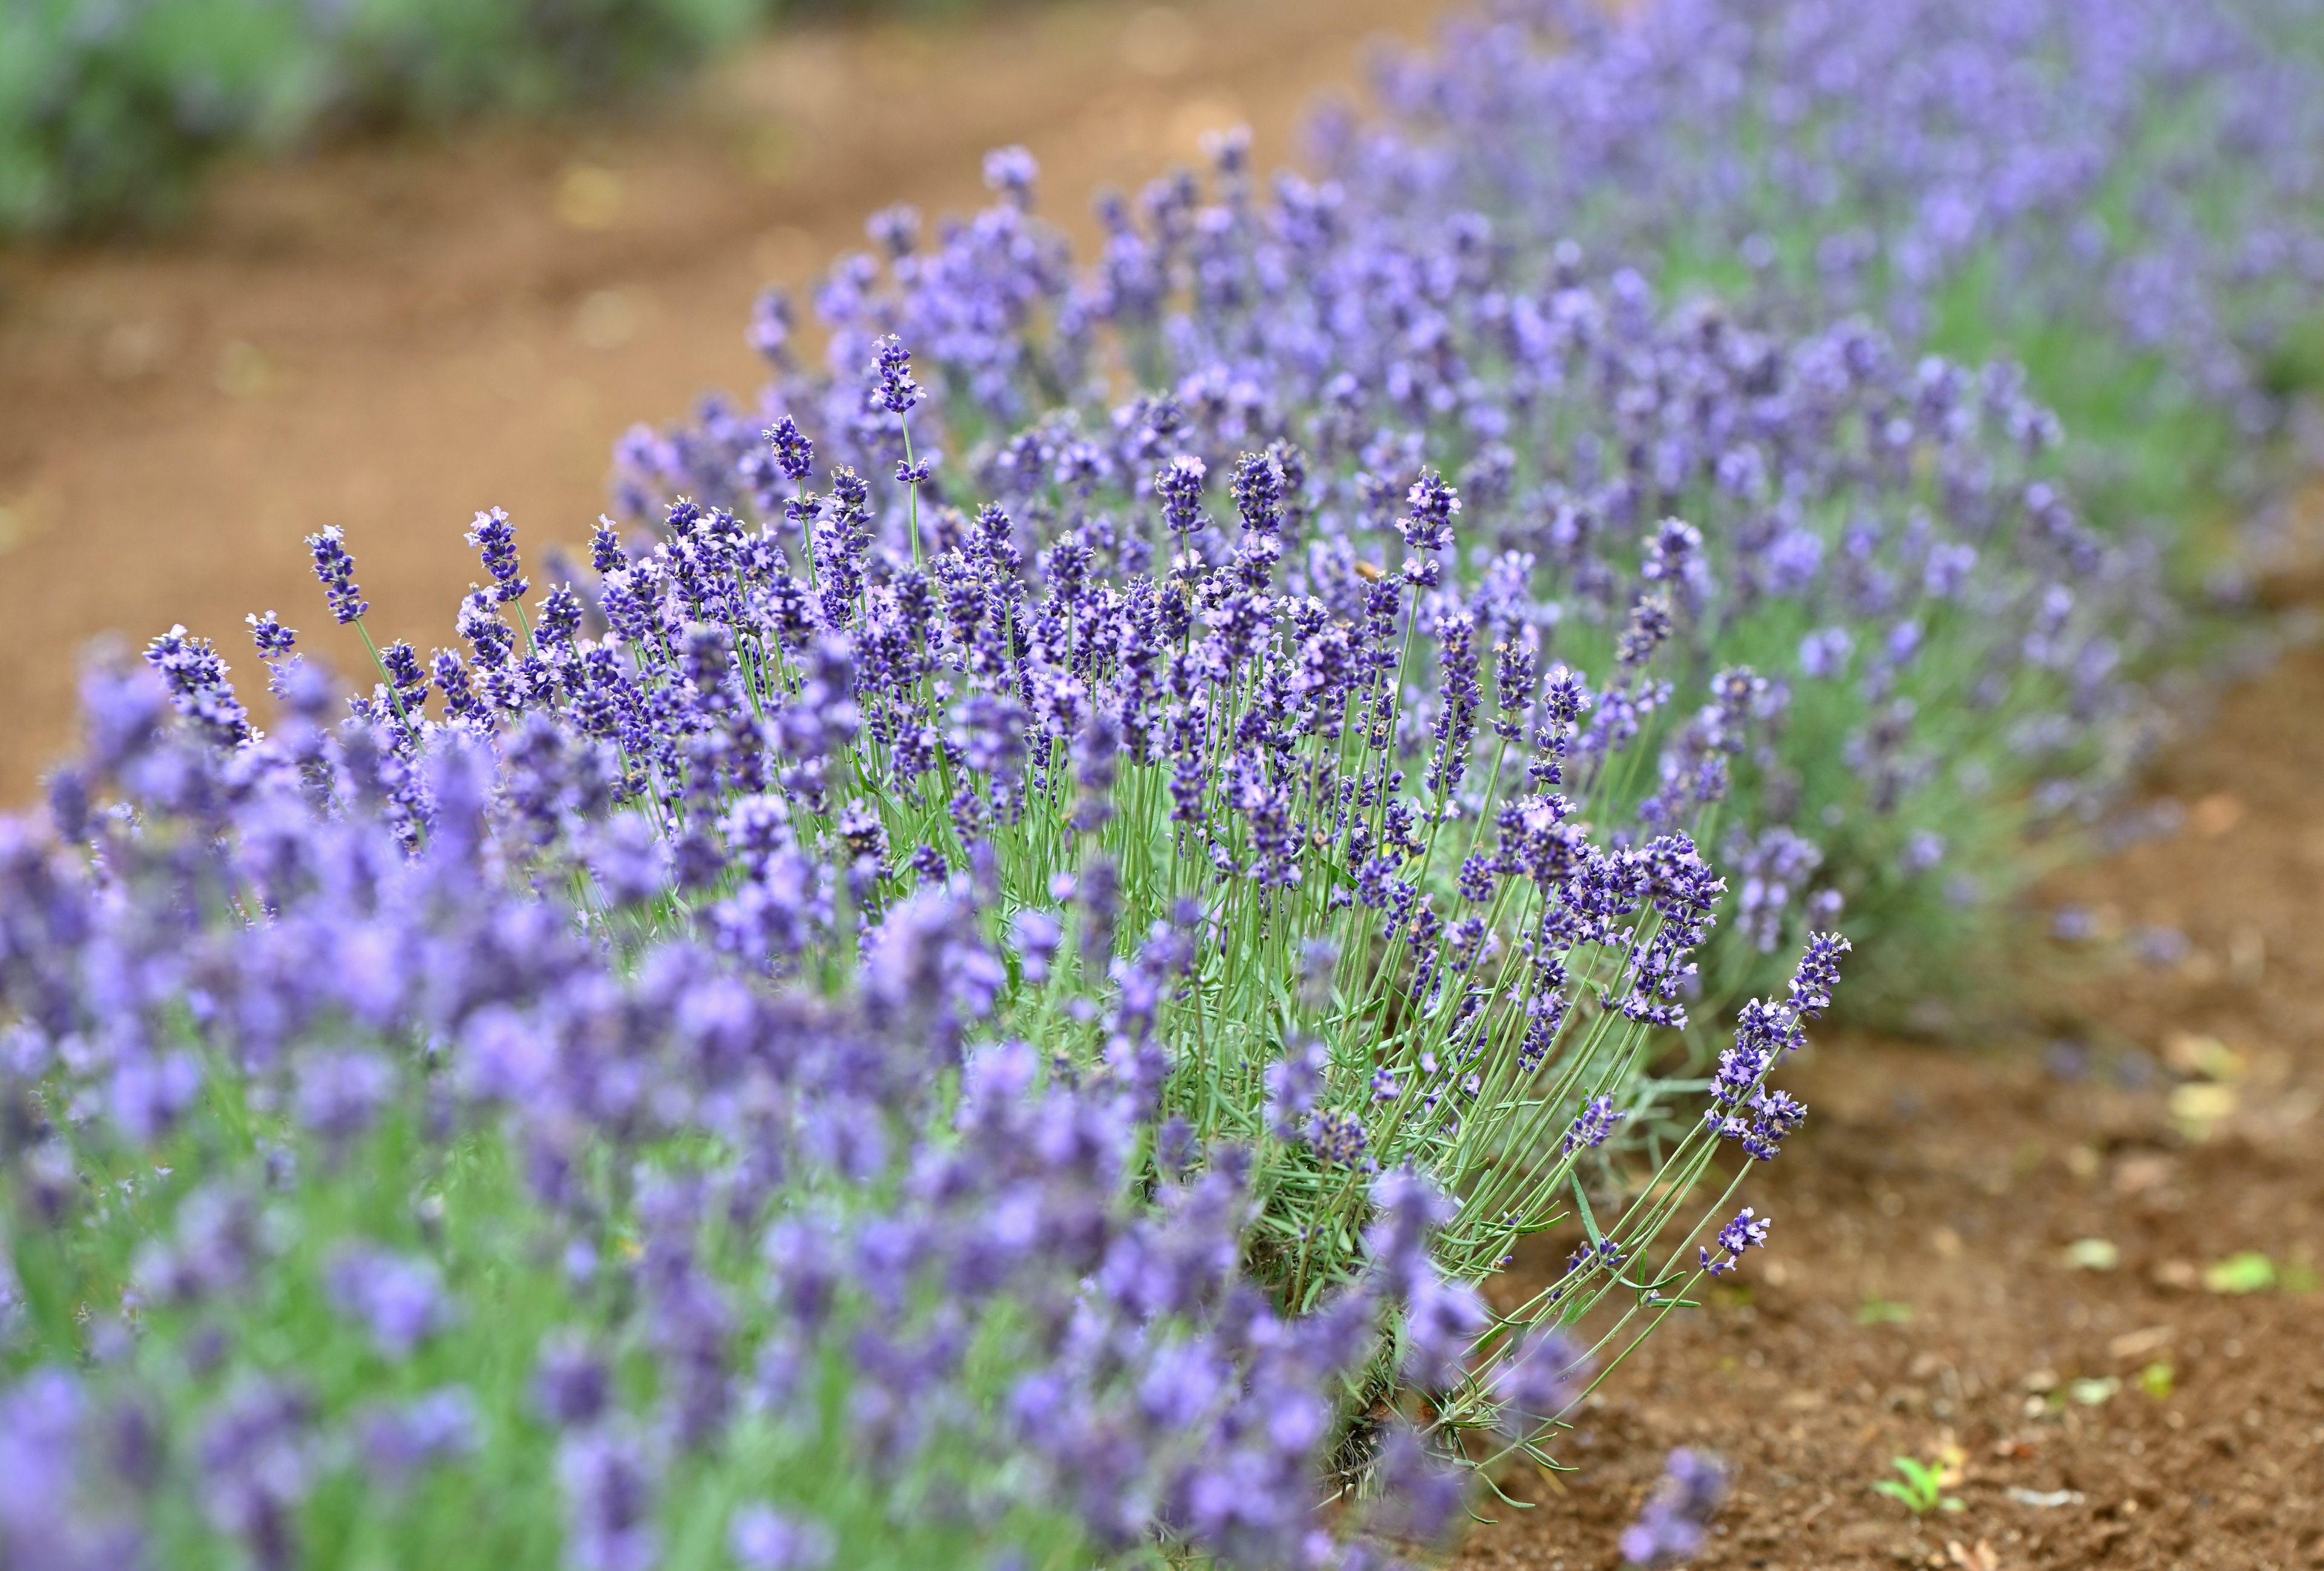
(390, 338)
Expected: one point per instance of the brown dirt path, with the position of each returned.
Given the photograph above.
(390, 338)
(1919, 1291)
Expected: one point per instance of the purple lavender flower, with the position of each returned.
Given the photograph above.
(1592, 1124)
(611, 1484)
(761, 1539)
(1747, 1230)
(897, 391)
(336, 569)
(398, 1441)
(273, 640)
(572, 1385)
(1824, 653)
(1677, 1515)
(340, 1095)
(605, 553)
(1011, 170)
(495, 537)
(196, 677)
(258, 1460)
(1539, 1376)
(1294, 1084)
(794, 454)
(217, 1248)
(1442, 1321)
(1341, 1140)
(1037, 937)
(398, 1298)
(1427, 526)
(1179, 485)
(55, 1475)
(1819, 972)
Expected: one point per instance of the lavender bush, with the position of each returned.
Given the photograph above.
(1927, 648)
(912, 1054)
(2129, 196)
(1805, 278)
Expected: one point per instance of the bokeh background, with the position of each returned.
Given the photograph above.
(266, 278)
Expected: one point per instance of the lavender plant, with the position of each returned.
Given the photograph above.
(362, 1203)
(2114, 209)
(1936, 646)
(1000, 1052)
(1672, 1526)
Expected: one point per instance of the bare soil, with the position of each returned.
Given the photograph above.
(390, 338)
(1919, 1293)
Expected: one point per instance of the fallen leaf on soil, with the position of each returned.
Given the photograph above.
(2206, 1055)
(2091, 1254)
(2042, 1500)
(1980, 1557)
(2174, 1273)
(2135, 1343)
(2200, 1105)
(2216, 814)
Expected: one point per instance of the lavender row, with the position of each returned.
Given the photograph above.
(1699, 263)
(1004, 1053)
(2145, 178)
(1941, 647)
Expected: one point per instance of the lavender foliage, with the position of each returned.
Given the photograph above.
(934, 1007)
(1891, 644)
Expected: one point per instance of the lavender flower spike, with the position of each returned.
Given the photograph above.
(897, 391)
(494, 536)
(1672, 1526)
(337, 569)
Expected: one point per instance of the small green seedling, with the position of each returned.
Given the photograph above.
(1922, 1488)
(2247, 1272)
(1884, 1312)
(2155, 1379)
(2094, 1393)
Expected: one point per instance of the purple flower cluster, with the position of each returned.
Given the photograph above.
(924, 916)
(333, 930)
(1411, 398)
(2142, 174)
